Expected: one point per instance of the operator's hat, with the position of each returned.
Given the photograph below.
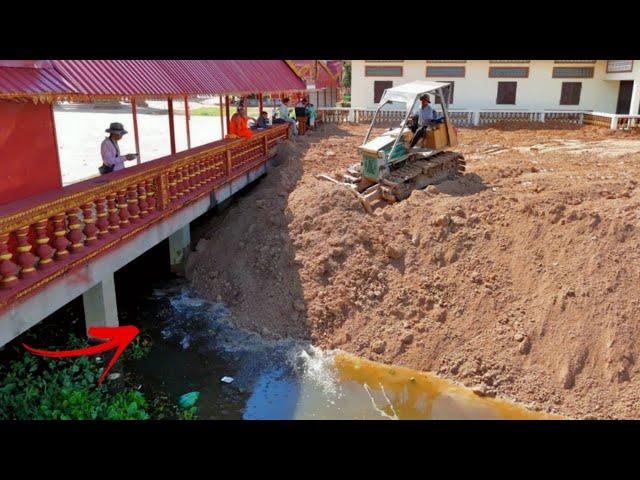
(116, 127)
(424, 96)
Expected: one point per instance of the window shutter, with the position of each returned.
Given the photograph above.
(506, 93)
(570, 94)
(379, 86)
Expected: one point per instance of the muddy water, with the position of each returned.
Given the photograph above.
(195, 346)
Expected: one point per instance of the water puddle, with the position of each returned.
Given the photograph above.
(196, 346)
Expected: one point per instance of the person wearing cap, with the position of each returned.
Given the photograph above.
(422, 119)
(110, 151)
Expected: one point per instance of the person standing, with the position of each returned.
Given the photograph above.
(283, 111)
(312, 115)
(110, 151)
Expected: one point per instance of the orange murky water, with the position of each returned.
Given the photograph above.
(403, 393)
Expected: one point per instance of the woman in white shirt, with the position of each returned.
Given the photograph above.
(111, 158)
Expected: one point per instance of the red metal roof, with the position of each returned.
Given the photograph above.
(19, 78)
(335, 66)
(146, 78)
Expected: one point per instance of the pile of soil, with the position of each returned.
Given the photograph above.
(520, 279)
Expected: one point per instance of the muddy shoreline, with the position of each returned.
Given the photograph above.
(517, 280)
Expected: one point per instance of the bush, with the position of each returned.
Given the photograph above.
(40, 388)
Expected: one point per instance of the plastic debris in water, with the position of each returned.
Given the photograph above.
(226, 379)
(188, 400)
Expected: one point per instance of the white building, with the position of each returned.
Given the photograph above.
(611, 86)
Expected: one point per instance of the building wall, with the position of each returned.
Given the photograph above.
(477, 91)
(28, 150)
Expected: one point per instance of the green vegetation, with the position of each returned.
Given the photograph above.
(346, 74)
(215, 111)
(40, 388)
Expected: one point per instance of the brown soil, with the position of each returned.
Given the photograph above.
(522, 277)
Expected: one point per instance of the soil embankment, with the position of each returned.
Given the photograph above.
(521, 279)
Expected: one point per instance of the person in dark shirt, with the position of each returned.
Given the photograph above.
(263, 120)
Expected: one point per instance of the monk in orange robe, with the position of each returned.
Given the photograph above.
(239, 124)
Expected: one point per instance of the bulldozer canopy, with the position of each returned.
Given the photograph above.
(408, 92)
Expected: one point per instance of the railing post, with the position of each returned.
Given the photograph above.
(614, 123)
(542, 117)
(476, 118)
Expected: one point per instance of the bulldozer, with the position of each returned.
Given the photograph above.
(390, 169)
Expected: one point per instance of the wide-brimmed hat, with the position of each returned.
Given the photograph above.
(116, 128)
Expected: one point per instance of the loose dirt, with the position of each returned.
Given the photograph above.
(520, 279)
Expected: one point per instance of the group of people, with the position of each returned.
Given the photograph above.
(238, 127)
(303, 110)
(239, 122)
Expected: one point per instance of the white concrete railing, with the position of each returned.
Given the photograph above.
(468, 118)
(613, 120)
(460, 117)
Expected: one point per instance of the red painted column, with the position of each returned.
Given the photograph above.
(226, 109)
(134, 111)
(221, 119)
(172, 132)
(260, 104)
(188, 118)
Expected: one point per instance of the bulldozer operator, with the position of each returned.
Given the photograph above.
(421, 120)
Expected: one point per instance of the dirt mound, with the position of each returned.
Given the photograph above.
(522, 276)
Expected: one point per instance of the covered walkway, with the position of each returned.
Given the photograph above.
(57, 243)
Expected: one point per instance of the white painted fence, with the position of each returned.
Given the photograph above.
(469, 118)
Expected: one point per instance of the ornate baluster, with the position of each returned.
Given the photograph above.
(90, 229)
(8, 269)
(173, 194)
(103, 222)
(199, 170)
(179, 182)
(142, 198)
(43, 250)
(191, 181)
(123, 212)
(60, 242)
(75, 229)
(25, 258)
(151, 196)
(229, 163)
(114, 219)
(132, 200)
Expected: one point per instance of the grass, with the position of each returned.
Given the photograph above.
(215, 111)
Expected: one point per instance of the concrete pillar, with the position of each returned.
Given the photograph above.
(635, 100)
(100, 306)
(179, 244)
(541, 117)
(476, 118)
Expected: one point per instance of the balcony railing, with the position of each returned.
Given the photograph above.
(45, 236)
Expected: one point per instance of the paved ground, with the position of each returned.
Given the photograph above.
(80, 133)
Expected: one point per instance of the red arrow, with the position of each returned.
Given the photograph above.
(118, 337)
